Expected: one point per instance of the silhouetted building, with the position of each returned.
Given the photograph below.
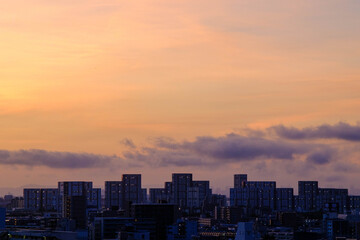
(132, 192)
(336, 228)
(158, 195)
(121, 194)
(182, 230)
(308, 192)
(204, 190)
(230, 214)
(76, 198)
(133, 234)
(180, 184)
(41, 199)
(168, 190)
(245, 231)
(108, 227)
(16, 203)
(218, 200)
(284, 199)
(144, 196)
(193, 197)
(354, 202)
(183, 191)
(94, 199)
(240, 180)
(160, 215)
(331, 196)
(75, 209)
(288, 219)
(2, 218)
(253, 194)
(113, 195)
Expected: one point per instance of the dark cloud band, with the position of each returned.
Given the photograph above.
(36, 157)
(204, 150)
(340, 130)
(231, 148)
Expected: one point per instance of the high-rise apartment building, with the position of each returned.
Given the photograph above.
(308, 192)
(193, 197)
(284, 199)
(205, 191)
(253, 194)
(333, 196)
(85, 189)
(159, 195)
(180, 184)
(183, 191)
(132, 192)
(113, 194)
(354, 202)
(121, 194)
(41, 199)
(240, 180)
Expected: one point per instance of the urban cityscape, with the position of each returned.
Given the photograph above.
(185, 208)
(180, 120)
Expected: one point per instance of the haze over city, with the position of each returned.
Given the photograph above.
(91, 90)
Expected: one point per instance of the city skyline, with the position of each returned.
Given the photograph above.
(186, 192)
(91, 90)
(226, 191)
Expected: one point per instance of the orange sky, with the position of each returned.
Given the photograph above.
(80, 76)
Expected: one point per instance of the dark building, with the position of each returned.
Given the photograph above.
(253, 194)
(218, 200)
(144, 196)
(336, 228)
(354, 202)
(41, 199)
(121, 194)
(183, 191)
(68, 189)
(329, 196)
(240, 180)
(168, 190)
(262, 194)
(159, 195)
(230, 214)
(180, 184)
(296, 203)
(161, 215)
(113, 196)
(76, 198)
(108, 227)
(308, 192)
(284, 199)
(75, 209)
(132, 192)
(288, 219)
(204, 189)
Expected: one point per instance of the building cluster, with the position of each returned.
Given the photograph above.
(10, 202)
(184, 209)
(310, 198)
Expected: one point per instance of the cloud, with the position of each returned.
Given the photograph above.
(335, 178)
(343, 131)
(346, 167)
(234, 147)
(164, 158)
(128, 143)
(209, 151)
(321, 157)
(231, 148)
(36, 157)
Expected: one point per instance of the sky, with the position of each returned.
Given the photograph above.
(92, 89)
